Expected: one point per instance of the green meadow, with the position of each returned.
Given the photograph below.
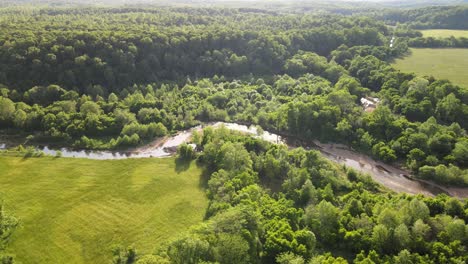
(76, 210)
(444, 33)
(451, 64)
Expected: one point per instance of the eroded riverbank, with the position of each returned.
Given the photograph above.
(392, 177)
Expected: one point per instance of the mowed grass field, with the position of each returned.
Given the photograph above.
(451, 64)
(75, 210)
(444, 33)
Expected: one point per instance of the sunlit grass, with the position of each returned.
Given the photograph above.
(451, 64)
(75, 210)
(444, 33)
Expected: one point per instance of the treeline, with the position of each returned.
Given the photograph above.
(115, 48)
(414, 38)
(407, 22)
(431, 42)
(318, 213)
(443, 17)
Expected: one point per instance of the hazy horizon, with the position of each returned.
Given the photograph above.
(244, 3)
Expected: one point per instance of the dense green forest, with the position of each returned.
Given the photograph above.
(114, 78)
(453, 17)
(317, 208)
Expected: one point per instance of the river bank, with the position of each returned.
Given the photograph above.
(392, 177)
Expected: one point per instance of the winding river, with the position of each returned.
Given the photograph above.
(390, 176)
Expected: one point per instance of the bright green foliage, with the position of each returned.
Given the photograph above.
(188, 250)
(289, 258)
(323, 220)
(185, 152)
(7, 109)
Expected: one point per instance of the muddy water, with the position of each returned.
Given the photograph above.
(157, 149)
(392, 177)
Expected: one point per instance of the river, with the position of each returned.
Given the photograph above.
(392, 177)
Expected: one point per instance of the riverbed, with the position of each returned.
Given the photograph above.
(392, 177)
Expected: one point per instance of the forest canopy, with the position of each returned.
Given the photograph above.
(120, 77)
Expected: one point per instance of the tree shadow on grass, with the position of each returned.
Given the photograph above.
(204, 178)
(182, 164)
(205, 175)
(27, 156)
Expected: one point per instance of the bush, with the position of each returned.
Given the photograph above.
(186, 151)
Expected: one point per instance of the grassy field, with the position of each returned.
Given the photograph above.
(75, 210)
(444, 33)
(451, 64)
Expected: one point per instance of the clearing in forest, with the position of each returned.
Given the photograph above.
(444, 33)
(451, 64)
